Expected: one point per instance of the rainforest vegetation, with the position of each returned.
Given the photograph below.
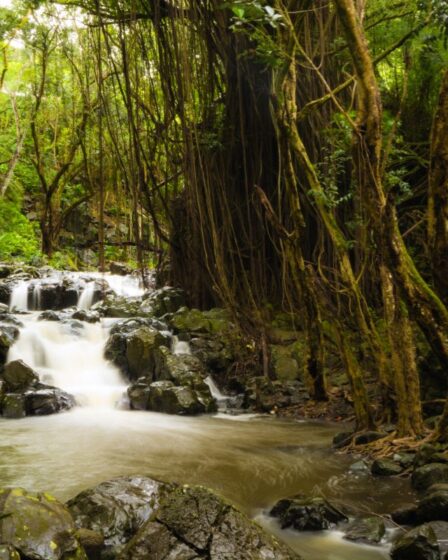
(264, 156)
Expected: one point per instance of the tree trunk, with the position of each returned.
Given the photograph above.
(438, 194)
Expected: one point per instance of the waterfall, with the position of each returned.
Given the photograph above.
(37, 291)
(19, 297)
(86, 298)
(70, 359)
(180, 346)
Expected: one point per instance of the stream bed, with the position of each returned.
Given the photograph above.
(252, 460)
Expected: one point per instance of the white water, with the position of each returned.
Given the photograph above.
(19, 297)
(180, 346)
(252, 462)
(70, 359)
(85, 300)
(125, 286)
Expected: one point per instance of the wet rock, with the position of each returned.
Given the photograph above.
(8, 335)
(154, 540)
(12, 406)
(405, 515)
(58, 295)
(133, 350)
(181, 369)
(368, 437)
(121, 269)
(342, 439)
(162, 301)
(5, 270)
(51, 315)
(138, 394)
(427, 475)
(141, 346)
(359, 467)
(265, 395)
(5, 292)
(117, 509)
(214, 321)
(216, 353)
(86, 316)
(37, 526)
(406, 460)
(92, 542)
(307, 514)
(386, 467)
(424, 454)
(433, 506)
(369, 530)
(8, 552)
(47, 400)
(119, 307)
(193, 522)
(165, 397)
(418, 544)
(19, 376)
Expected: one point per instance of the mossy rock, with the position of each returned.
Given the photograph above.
(284, 363)
(164, 396)
(194, 522)
(38, 526)
(117, 508)
(162, 301)
(215, 321)
(8, 335)
(8, 553)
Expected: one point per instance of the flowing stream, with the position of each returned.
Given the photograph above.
(252, 460)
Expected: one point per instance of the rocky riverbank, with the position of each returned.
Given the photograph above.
(183, 361)
(135, 518)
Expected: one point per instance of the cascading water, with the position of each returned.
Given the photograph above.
(70, 356)
(85, 300)
(180, 346)
(253, 463)
(19, 297)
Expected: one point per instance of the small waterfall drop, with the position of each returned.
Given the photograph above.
(180, 346)
(19, 297)
(86, 298)
(70, 356)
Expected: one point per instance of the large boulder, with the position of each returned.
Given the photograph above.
(181, 369)
(193, 523)
(23, 395)
(117, 509)
(214, 321)
(215, 352)
(418, 544)
(47, 400)
(19, 376)
(162, 301)
(307, 514)
(56, 295)
(164, 396)
(434, 505)
(427, 475)
(265, 395)
(386, 467)
(369, 530)
(37, 526)
(131, 347)
(119, 307)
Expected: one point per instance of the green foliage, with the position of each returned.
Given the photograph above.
(18, 239)
(65, 260)
(257, 20)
